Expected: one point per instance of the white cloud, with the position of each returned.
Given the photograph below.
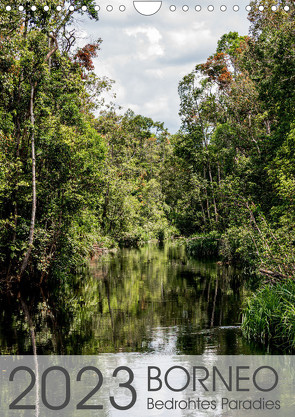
(191, 36)
(157, 106)
(81, 34)
(157, 73)
(153, 48)
(148, 56)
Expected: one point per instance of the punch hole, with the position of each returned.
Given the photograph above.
(172, 8)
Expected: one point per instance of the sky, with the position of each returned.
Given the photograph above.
(147, 56)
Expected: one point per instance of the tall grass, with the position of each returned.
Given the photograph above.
(269, 316)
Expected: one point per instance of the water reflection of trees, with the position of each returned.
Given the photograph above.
(116, 303)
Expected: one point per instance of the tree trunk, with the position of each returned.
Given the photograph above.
(105, 208)
(34, 199)
(203, 213)
(213, 194)
(206, 194)
(209, 166)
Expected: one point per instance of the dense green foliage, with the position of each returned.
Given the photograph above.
(69, 181)
(235, 161)
(234, 153)
(51, 155)
(205, 245)
(133, 205)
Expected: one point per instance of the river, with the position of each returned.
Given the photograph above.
(152, 299)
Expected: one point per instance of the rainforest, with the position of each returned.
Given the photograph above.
(80, 180)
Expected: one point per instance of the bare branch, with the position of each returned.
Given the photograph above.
(50, 53)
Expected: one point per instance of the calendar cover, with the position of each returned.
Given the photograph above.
(147, 196)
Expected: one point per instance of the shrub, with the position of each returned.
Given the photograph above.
(237, 247)
(204, 245)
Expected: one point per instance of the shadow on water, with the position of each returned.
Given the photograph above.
(152, 299)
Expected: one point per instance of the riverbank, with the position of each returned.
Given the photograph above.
(269, 313)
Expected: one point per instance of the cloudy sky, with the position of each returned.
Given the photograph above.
(148, 55)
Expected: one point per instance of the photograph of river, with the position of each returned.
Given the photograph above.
(152, 299)
(147, 177)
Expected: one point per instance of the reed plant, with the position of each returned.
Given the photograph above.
(269, 315)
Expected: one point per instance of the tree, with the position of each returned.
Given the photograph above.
(41, 77)
(133, 206)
